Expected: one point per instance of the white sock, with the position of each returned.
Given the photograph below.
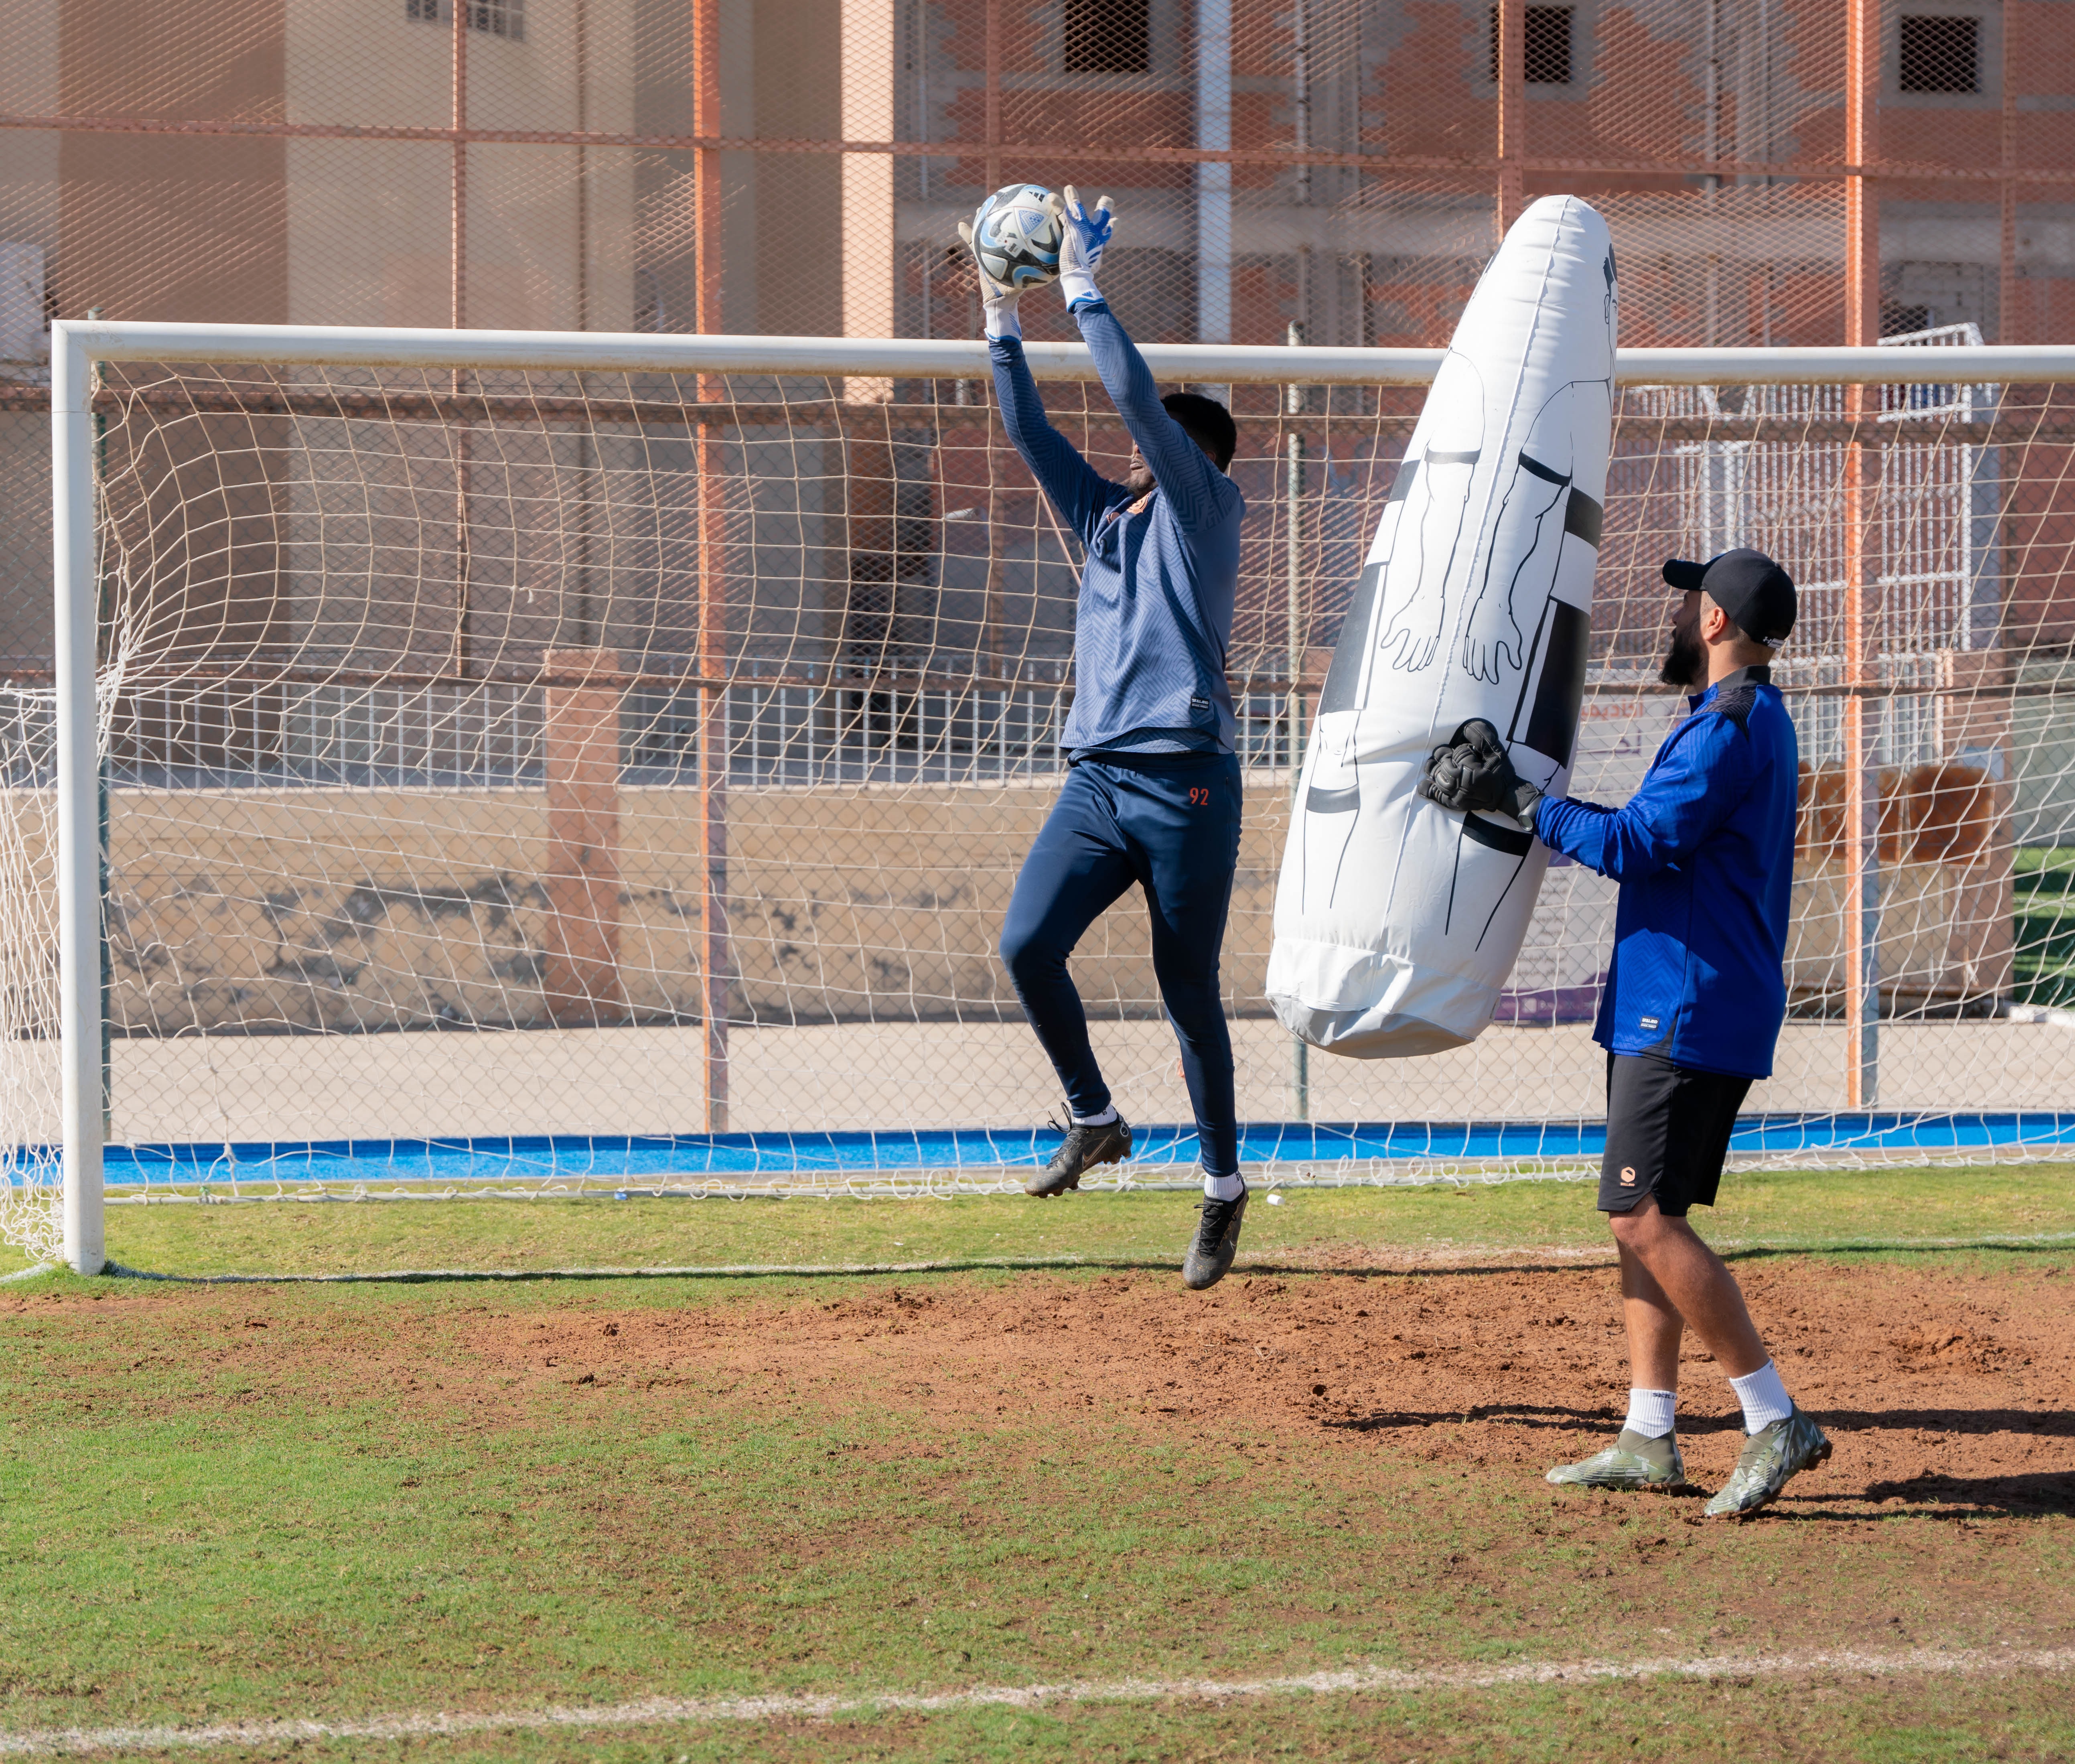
(1222, 1187)
(1763, 1395)
(1650, 1412)
(1103, 1119)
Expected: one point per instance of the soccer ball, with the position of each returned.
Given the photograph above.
(1016, 240)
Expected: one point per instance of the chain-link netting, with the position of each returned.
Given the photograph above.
(599, 757)
(397, 600)
(1345, 164)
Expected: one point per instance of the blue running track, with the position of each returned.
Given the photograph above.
(661, 1159)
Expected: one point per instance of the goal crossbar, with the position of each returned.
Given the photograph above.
(90, 340)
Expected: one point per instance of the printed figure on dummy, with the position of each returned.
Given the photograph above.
(1398, 922)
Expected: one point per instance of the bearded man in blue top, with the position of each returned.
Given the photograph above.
(1152, 795)
(1704, 852)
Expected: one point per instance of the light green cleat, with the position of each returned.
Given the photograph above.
(1633, 1461)
(1776, 1452)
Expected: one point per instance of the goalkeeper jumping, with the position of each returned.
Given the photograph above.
(1152, 795)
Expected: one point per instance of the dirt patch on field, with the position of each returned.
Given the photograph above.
(1936, 1384)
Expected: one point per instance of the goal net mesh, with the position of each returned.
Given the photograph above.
(574, 760)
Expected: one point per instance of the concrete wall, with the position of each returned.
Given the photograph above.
(369, 224)
(370, 909)
(173, 226)
(28, 634)
(353, 910)
(228, 227)
(1945, 932)
(29, 204)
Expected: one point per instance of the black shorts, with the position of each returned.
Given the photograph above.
(1668, 1131)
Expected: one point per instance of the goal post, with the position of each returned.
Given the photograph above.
(405, 646)
(77, 730)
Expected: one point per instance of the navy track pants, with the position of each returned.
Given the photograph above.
(1169, 822)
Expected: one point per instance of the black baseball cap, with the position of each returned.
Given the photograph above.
(1747, 585)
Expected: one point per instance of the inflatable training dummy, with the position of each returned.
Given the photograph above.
(1397, 922)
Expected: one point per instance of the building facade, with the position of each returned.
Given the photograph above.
(1341, 163)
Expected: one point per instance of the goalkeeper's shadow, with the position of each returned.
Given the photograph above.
(1561, 1418)
(2030, 1494)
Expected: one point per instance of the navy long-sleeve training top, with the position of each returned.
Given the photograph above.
(1153, 624)
(1704, 852)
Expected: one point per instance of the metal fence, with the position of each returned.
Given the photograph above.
(489, 734)
(1345, 163)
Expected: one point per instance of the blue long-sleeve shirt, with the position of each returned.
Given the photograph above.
(1154, 625)
(1704, 852)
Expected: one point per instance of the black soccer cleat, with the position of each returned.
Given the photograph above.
(1217, 1242)
(1084, 1147)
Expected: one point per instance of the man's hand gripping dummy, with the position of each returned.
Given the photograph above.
(1471, 772)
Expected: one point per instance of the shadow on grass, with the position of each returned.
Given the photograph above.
(1591, 1259)
(2059, 1246)
(1937, 1493)
(2042, 1492)
(1036, 1265)
(1842, 1424)
(2040, 1423)
(1540, 1416)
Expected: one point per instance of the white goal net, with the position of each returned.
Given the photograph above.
(567, 766)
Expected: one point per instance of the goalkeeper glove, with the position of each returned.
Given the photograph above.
(1470, 771)
(997, 299)
(1084, 236)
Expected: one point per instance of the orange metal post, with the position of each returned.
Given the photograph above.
(991, 607)
(992, 120)
(583, 165)
(1512, 17)
(714, 955)
(458, 313)
(2007, 295)
(989, 660)
(1861, 855)
(460, 194)
(581, 743)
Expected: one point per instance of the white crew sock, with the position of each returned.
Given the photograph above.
(1103, 1119)
(1222, 1187)
(1650, 1412)
(1763, 1395)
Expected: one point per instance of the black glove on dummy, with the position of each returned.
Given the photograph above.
(1470, 770)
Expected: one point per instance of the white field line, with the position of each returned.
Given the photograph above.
(648, 1711)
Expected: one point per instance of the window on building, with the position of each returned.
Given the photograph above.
(1547, 60)
(1899, 320)
(1940, 54)
(499, 18)
(1109, 36)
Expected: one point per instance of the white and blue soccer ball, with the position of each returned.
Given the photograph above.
(1016, 238)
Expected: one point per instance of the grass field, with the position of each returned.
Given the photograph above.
(2045, 927)
(1765, 1209)
(227, 1503)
